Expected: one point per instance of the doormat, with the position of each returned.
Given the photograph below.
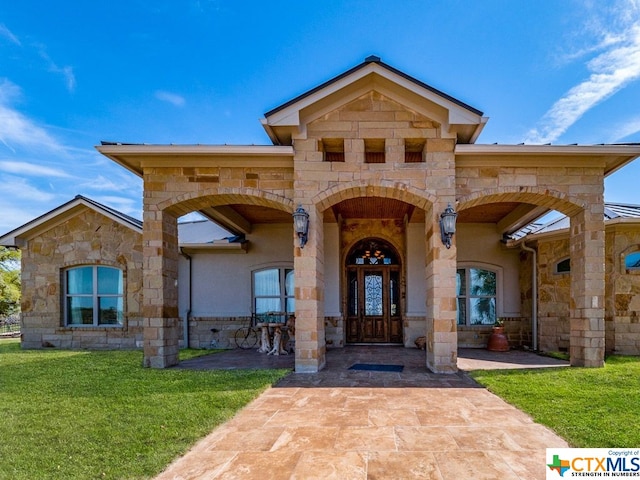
(376, 368)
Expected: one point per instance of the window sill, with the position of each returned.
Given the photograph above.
(91, 327)
(475, 327)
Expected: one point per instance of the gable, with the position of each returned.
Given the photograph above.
(374, 115)
(79, 205)
(458, 120)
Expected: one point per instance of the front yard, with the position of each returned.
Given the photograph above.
(80, 415)
(588, 407)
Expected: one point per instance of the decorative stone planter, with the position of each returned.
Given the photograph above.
(498, 341)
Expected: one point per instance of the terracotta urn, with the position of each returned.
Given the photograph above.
(498, 341)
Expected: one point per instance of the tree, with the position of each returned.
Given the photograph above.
(9, 281)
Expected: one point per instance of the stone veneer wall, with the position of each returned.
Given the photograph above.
(320, 184)
(89, 238)
(622, 301)
(622, 293)
(517, 330)
(200, 334)
(553, 297)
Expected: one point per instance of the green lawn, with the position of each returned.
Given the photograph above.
(82, 415)
(589, 407)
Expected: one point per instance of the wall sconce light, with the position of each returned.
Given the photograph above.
(448, 225)
(301, 224)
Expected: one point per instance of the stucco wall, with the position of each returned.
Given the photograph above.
(414, 323)
(479, 245)
(86, 239)
(334, 325)
(221, 282)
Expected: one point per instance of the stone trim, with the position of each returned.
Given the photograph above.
(542, 196)
(370, 188)
(213, 197)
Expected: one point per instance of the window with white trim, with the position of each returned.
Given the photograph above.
(632, 261)
(273, 291)
(476, 295)
(93, 296)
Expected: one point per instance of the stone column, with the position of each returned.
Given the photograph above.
(308, 264)
(442, 333)
(160, 291)
(586, 342)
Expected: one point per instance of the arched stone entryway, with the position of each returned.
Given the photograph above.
(160, 249)
(586, 213)
(439, 263)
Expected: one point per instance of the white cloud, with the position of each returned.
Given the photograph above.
(6, 33)
(14, 215)
(625, 129)
(17, 129)
(9, 92)
(66, 72)
(30, 169)
(611, 70)
(114, 183)
(18, 188)
(172, 98)
(128, 206)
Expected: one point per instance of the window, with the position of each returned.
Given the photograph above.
(374, 150)
(93, 296)
(563, 266)
(273, 291)
(476, 295)
(372, 252)
(632, 261)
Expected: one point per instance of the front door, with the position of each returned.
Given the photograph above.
(373, 295)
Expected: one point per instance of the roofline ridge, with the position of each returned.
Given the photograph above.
(373, 59)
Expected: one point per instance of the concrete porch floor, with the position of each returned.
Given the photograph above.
(347, 424)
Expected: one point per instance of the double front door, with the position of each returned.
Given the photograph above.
(373, 304)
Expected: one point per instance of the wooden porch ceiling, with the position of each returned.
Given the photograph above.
(508, 216)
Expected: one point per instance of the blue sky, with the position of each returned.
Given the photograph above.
(74, 73)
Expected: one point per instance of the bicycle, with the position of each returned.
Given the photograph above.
(246, 337)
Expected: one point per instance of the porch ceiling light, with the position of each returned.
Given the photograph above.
(301, 224)
(448, 225)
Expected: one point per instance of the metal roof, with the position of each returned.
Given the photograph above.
(134, 221)
(373, 59)
(611, 212)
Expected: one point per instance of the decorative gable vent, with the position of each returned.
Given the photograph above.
(374, 150)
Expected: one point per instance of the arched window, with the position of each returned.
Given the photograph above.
(273, 291)
(93, 296)
(632, 261)
(476, 295)
(372, 252)
(563, 266)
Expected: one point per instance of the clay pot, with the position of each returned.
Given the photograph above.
(498, 341)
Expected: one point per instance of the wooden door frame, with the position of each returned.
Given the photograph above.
(361, 269)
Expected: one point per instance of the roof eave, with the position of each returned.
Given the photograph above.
(130, 156)
(615, 156)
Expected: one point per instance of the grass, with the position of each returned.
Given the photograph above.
(588, 407)
(79, 414)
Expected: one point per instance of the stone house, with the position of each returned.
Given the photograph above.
(374, 162)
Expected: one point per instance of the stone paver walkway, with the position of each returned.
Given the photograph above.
(344, 424)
